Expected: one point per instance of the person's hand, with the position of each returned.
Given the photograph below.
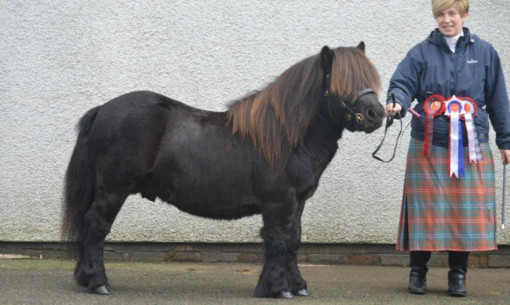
(505, 155)
(392, 111)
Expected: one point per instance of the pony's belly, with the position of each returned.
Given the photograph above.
(206, 191)
(218, 210)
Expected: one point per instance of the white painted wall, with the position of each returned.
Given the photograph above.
(59, 58)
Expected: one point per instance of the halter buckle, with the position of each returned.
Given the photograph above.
(359, 118)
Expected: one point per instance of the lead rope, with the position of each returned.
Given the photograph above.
(389, 122)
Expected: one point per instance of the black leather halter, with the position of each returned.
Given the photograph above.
(358, 116)
(333, 99)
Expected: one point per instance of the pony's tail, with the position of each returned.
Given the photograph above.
(79, 189)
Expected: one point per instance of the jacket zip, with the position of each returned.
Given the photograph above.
(452, 87)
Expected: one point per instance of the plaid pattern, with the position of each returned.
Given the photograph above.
(440, 213)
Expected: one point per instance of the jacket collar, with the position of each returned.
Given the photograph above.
(437, 38)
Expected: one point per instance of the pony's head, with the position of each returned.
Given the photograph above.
(351, 84)
(276, 118)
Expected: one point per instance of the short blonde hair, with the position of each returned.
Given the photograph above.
(441, 5)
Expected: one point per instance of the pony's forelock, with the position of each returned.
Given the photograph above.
(347, 83)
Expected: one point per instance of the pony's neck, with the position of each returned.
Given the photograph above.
(322, 138)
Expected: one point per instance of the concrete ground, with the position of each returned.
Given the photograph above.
(29, 281)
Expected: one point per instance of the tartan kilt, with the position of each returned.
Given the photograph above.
(440, 213)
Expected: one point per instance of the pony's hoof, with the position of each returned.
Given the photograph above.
(102, 290)
(285, 295)
(302, 293)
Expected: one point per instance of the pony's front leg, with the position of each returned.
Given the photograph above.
(298, 286)
(275, 280)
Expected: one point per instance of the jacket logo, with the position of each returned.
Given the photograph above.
(472, 61)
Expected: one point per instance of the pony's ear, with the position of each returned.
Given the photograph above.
(326, 59)
(361, 46)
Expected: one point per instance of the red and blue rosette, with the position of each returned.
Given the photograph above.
(433, 106)
(454, 109)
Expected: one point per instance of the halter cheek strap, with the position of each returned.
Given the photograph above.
(358, 116)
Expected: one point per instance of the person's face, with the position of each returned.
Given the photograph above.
(450, 22)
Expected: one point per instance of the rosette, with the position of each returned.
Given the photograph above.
(469, 105)
(434, 104)
(433, 107)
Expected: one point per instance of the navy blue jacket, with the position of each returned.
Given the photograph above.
(474, 70)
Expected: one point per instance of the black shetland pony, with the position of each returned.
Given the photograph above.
(264, 155)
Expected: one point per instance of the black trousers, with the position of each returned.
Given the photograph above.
(457, 261)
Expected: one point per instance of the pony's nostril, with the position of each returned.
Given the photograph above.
(373, 113)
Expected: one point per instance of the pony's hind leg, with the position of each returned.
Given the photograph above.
(97, 222)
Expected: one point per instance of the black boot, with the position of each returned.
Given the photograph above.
(417, 283)
(417, 277)
(457, 284)
(457, 275)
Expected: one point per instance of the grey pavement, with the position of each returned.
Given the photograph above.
(29, 281)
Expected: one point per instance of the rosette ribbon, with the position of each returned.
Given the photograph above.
(454, 108)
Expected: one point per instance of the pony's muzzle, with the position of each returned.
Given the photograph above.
(374, 116)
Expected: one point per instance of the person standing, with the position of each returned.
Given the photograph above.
(442, 211)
